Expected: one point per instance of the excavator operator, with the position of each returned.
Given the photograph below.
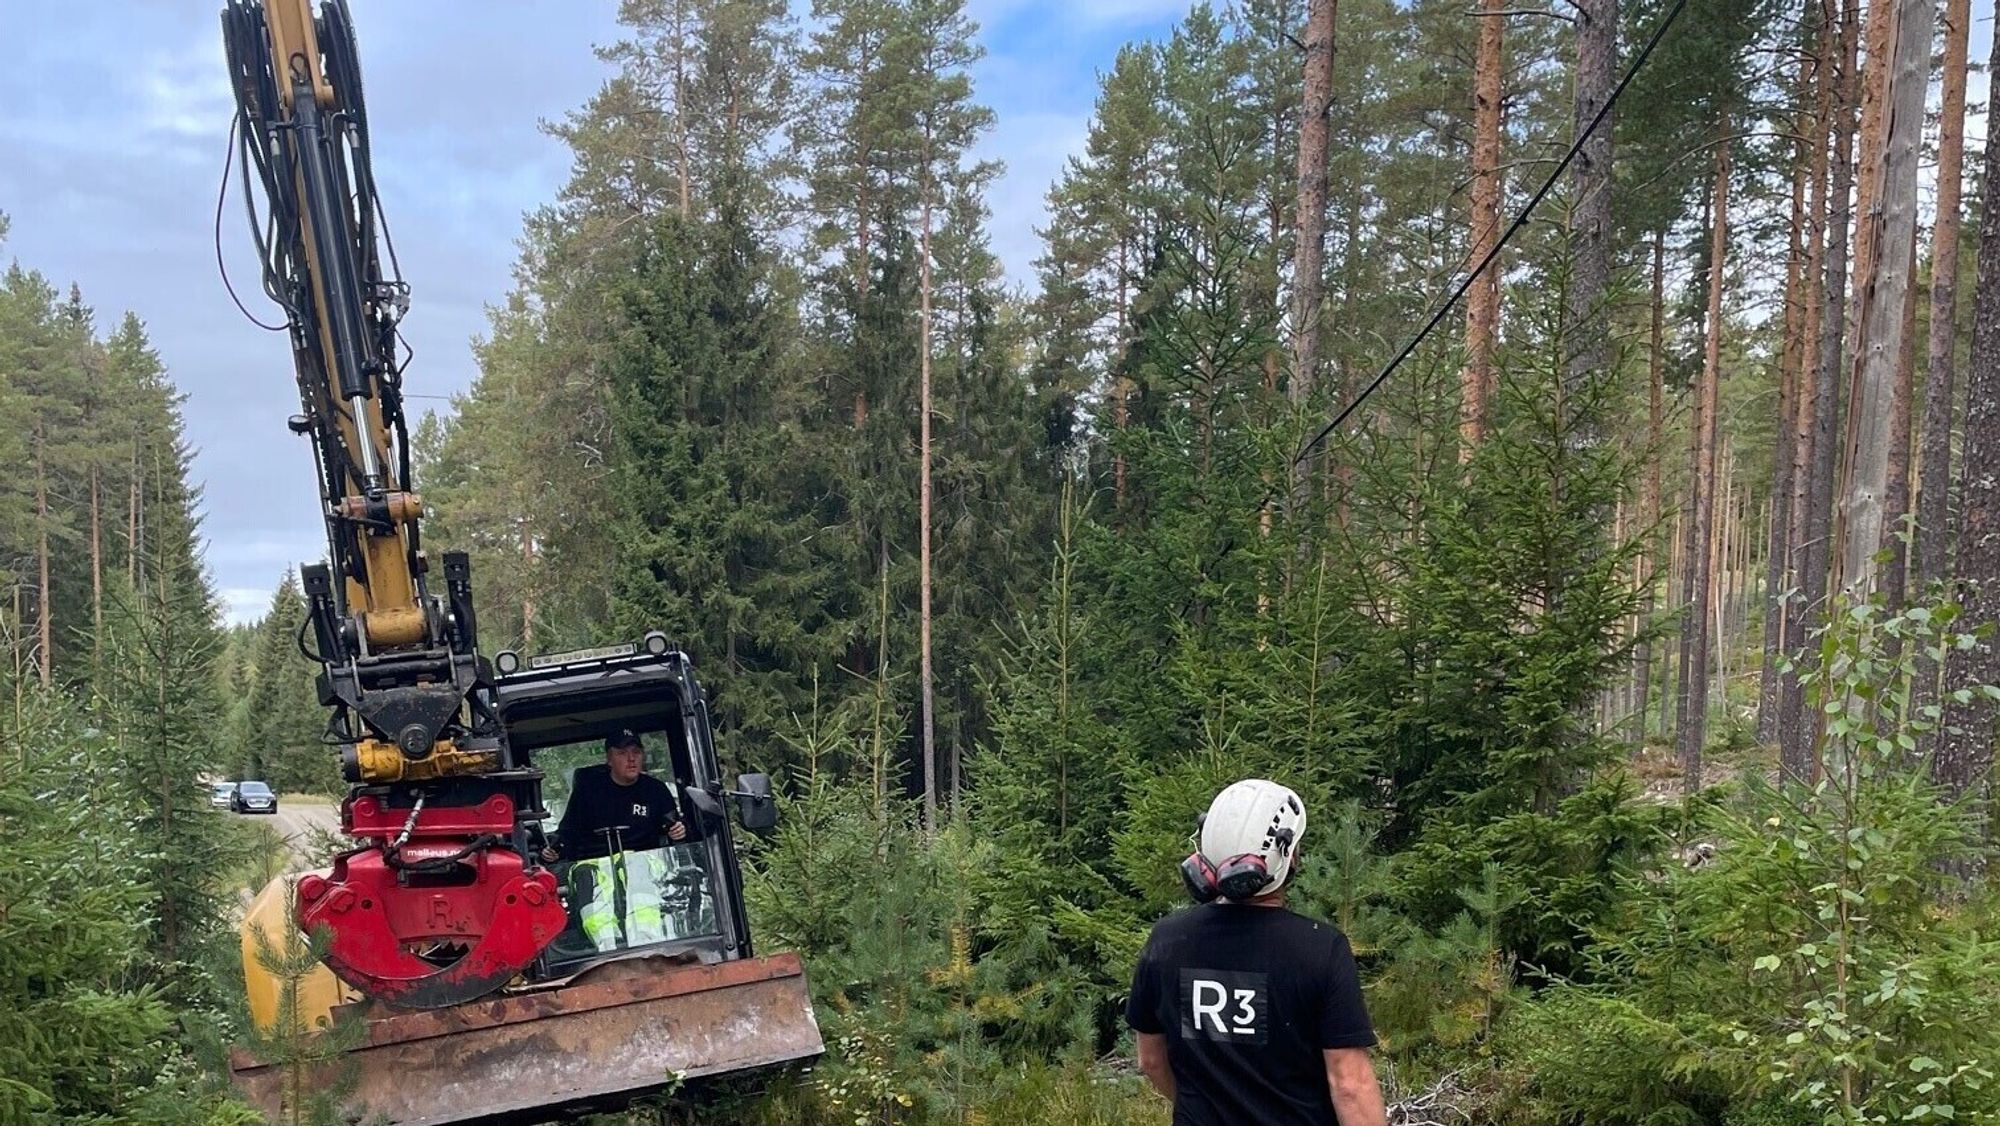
(619, 807)
(633, 875)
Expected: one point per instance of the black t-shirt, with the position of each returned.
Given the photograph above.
(1248, 997)
(645, 808)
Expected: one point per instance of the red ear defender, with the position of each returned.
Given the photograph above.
(1242, 877)
(1199, 876)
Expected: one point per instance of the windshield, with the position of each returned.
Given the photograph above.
(634, 899)
(254, 789)
(224, 787)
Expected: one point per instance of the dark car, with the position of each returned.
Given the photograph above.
(253, 797)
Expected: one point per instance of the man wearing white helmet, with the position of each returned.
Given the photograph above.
(1245, 1011)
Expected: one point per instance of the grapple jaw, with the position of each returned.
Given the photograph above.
(437, 909)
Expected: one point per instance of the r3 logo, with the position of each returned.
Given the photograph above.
(1225, 1006)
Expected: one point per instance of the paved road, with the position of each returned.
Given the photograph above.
(296, 821)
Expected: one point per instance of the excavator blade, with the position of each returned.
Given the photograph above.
(621, 1030)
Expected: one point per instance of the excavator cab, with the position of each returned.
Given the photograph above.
(683, 899)
(653, 979)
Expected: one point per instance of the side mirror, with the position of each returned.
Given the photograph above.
(754, 805)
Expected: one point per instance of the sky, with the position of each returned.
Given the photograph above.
(113, 128)
(114, 117)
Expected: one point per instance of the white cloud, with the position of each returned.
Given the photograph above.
(242, 605)
(1034, 147)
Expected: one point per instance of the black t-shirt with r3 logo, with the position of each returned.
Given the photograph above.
(1248, 998)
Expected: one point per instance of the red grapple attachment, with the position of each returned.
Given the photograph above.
(465, 890)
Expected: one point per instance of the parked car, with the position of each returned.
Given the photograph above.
(222, 795)
(253, 797)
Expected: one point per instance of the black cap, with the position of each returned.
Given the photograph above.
(620, 739)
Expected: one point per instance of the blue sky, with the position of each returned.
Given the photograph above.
(113, 119)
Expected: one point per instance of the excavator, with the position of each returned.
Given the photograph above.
(468, 973)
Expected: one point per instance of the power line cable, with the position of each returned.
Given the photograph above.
(1493, 255)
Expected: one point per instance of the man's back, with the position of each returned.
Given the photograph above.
(1249, 998)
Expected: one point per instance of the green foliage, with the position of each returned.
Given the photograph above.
(283, 725)
(1820, 968)
(87, 1026)
(316, 1076)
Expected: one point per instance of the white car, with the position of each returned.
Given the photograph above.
(222, 795)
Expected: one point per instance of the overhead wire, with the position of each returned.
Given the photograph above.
(1445, 307)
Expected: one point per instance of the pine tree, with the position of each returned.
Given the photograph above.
(284, 730)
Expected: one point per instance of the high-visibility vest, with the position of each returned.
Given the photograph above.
(619, 904)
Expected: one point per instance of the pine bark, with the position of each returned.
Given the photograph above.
(929, 712)
(1649, 495)
(1964, 759)
(1694, 676)
(96, 559)
(1590, 218)
(1797, 755)
(44, 607)
(1482, 311)
(1309, 261)
(1934, 487)
(1790, 363)
(1887, 239)
(1896, 487)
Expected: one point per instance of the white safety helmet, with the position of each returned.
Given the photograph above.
(1254, 818)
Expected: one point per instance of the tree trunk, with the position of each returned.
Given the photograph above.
(1896, 489)
(1590, 216)
(1694, 675)
(1874, 78)
(1964, 758)
(132, 520)
(1934, 489)
(44, 608)
(1482, 311)
(1309, 261)
(929, 716)
(1799, 755)
(96, 561)
(1887, 242)
(1790, 362)
(1650, 489)
(681, 110)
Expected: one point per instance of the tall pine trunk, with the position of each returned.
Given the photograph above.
(1964, 758)
(1694, 676)
(1482, 310)
(928, 701)
(1309, 261)
(1798, 753)
(1887, 242)
(1590, 218)
(1783, 465)
(1941, 351)
(44, 607)
(1649, 497)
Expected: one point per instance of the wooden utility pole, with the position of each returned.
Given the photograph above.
(1934, 486)
(1482, 309)
(1888, 243)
